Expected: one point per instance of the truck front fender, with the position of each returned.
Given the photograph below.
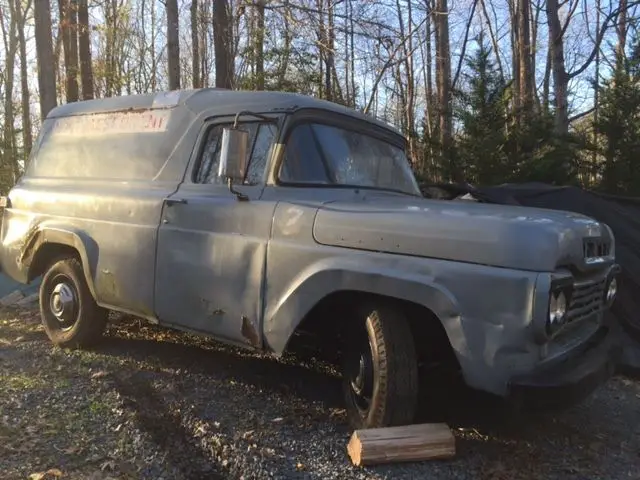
(328, 276)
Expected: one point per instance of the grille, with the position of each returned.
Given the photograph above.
(587, 298)
(595, 248)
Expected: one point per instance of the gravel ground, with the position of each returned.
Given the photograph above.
(153, 403)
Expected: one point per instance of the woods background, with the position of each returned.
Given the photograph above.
(486, 91)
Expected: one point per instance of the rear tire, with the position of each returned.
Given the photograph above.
(70, 315)
(380, 369)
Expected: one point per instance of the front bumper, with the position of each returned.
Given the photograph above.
(571, 380)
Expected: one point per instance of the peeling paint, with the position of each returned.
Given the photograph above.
(250, 332)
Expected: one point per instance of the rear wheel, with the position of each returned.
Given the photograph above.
(380, 373)
(70, 315)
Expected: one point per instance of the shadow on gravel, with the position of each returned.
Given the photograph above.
(481, 421)
(263, 372)
(165, 428)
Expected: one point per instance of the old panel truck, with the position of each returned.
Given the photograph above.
(253, 216)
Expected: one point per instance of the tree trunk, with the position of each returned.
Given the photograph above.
(84, 43)
(259, 44)
(283, 66)
(560, 77)
(9, 157)
(352, 52)
(44, 49)
(443, 85)
(68, 25)
(409, 95)
(173, 45)
(154, 62)
(195, 45)
(494, 41)
(330, 53)
(222, 32)
(27, 138)
(621, 30)
(429, 60)
(524, 54)
(515, 61)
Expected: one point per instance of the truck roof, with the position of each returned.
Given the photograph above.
(201, 100)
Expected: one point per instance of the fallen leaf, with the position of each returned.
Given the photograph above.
(53, 472)
(110, 464)
(99, 374)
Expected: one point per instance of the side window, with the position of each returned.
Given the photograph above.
(210, 161)
(261, 138)
(303, 162)
(260, 153)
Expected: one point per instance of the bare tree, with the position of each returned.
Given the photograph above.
(525, 72)
(222, 32)
(68, 28)
(27, 138)
(195, 44)
(84, 47)
(44, 48)
(173, 44)
(443, 83)
(259, 44)
(10, 46)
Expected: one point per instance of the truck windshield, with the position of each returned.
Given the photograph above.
(322, 154)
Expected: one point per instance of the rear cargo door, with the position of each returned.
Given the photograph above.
(212, 247)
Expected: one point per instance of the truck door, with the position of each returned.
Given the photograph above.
(211, 252)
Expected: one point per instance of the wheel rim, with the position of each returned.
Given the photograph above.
(360, 376)
(63, 302)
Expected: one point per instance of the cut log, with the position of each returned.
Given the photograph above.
(408, 443)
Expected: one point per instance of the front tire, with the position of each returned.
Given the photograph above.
(380, 370)
(70, 316)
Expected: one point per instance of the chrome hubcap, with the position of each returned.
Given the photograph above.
(358, 383)
(361, 377)
(63, 304)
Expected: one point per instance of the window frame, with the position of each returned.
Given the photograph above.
(336, 120)
(222, 121)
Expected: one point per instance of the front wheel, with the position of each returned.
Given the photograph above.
(70, 315)
(380, 371)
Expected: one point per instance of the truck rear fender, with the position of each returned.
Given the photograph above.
(44, 242)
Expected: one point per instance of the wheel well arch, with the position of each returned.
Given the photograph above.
(323, 324)
(49, 242)
(46, 254)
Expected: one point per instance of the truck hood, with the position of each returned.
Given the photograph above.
(498, 235)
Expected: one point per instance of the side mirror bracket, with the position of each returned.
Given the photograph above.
(239, 195)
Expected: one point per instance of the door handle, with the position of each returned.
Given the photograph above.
(175, 201)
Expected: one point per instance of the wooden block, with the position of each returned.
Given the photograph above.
(408, 443)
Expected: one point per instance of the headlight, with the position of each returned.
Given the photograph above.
(612, 291)
(557, 312)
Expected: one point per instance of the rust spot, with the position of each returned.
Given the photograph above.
(31, 243)
(249, 332)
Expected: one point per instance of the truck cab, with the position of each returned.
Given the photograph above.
(254, 216)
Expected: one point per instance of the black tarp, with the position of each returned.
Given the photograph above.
(622, 214)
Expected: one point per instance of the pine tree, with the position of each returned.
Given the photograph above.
(481, 112)
(619, 124)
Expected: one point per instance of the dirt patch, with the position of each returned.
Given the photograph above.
(158, 404)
